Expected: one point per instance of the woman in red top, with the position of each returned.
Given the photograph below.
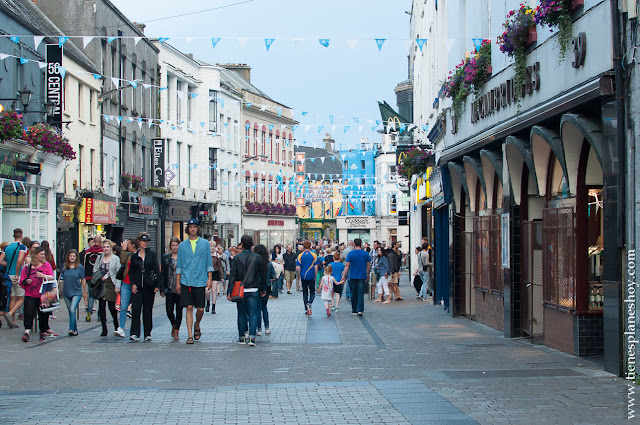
(31, 280)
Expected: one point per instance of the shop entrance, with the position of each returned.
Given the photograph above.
(532, 289)
(363, 234)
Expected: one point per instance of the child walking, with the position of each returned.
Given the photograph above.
(326, 284)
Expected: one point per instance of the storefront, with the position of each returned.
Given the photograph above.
(178, 213)
(353, 227)
(144, 216)
(270, 230)
(93, 217)
(527, 217)
(67, 226)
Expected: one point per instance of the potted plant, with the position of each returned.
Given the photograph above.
(415, 162)
(457, 88)
(478, 68)
(513, 41)
(11, 126)
(49, 139)
(557, 13)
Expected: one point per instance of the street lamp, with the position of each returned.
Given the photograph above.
(49, 107)
(25, 97)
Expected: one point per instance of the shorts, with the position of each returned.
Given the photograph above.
(191, 295)
(289, 275)
(337, 289)
(394, 278)
(16, 289)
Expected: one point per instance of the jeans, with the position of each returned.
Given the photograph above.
(8, 283)
(357, 295)
(125, 299)
(308, 292)
(277, 286)
(142, 302)
(264, 313)
(249, 311)
(173, 302)
(347, 289)
(426, 283)
(72, 306)
(91, 300)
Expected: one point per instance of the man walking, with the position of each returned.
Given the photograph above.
(255, 288)
(90, 257)
(289, 258)
(307, 267)
(346, 252)
(357, 267)
(395, 261)
(373, 255)
(14, 256)
(194, 272)
(298, 279)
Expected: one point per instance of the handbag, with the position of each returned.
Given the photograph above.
(237, 293)
(118, 301)
(49, 296)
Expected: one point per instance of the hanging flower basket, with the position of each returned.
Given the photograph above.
(49, 139)
(129, 180)
(415, 162)
(11, 126)
(557, 13)
(575, 5)
(532, 37)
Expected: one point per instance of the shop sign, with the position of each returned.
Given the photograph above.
(143, 205)
(54, 81)
(390, 222)
(275, 223)
(401, 153)
(66, 212)
(99, 212)
(359, 223)
(8, 161)
(158, 163)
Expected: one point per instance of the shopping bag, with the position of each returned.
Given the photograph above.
(118, 301)
(49, 296)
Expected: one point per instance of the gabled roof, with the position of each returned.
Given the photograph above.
(28, 14)
(387, 113)
(318, 166)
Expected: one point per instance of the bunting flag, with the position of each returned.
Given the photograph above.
(421, 42)
(214, 42)
(242, 42)
(324, 42)
(478, 43)
(15, 39)
(268, 42)
(136, 40)
(62, 40)
(86, 40)
(162, 39)
(37, 39)
(110, 39)
(23, 61)
(352, 44)
(346, 128)
(380, 42)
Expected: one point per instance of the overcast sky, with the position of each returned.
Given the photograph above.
(303, 75)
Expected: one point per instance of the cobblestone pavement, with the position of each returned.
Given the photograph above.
(405, 362)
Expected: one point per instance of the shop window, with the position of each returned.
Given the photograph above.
(558, 254)
(213, 111)
(393, 204)
(346, 165)
(213, 160)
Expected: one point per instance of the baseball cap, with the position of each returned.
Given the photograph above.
(193, 221)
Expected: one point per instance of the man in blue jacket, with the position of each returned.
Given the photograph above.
(307, 266)
(194, 271)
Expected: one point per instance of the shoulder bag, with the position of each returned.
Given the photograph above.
(237, 293)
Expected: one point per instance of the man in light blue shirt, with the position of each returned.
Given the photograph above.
(194, 271)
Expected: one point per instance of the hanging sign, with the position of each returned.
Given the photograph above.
(158, 163)
(54, 82)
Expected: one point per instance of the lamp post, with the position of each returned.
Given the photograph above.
(25, 97)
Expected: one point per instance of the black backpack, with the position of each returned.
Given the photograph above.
(90, 259)
(3, 291)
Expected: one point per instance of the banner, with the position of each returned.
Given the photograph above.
(158, 163)
(54, 82)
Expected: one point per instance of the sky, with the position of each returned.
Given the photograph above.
(337, 81)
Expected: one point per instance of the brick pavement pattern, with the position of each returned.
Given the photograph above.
(405, 362)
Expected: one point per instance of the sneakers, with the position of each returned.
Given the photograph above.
(353, 313)
(328, 312)
(119, 332)
(336, 309)
(129, 314)
(333, 308)
(360, 313)
(267, 331)
(259, 333)
(207, 307)
(88, 318)
(252, 342)
(134, 338)
(42, 336)
(242, 340)
(147, 338)
(25, 337)
(309, 309)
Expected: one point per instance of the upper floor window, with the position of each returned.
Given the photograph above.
(213, 111)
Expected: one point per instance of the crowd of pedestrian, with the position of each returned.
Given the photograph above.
(125, 279)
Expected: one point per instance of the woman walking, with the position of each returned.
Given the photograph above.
(105, 270)
(277, 257)
(144, 274)
(216, 277)
(128, 248)
(227, 269)
(31, 279)
(382, 269)
(74, 287)
(263, 316)
(168, 269)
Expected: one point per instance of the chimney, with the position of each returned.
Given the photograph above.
(329, 143)
(242, 69)
(189, 55)
(140, 26)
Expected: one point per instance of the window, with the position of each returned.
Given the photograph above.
(178, 161)
(143, 92)
(178, 103)
(264, 145)
(213, 111)
(188, 108)
(264, 190)
(392, 205)
(91, 161)
(189, 162)
(213, 160)
(246, 139)
(91, 111)
(133, 78)
(255, 139)
(168, 98)
(362, 164)
(65, 93)
(80, 149)
(145, 166)
(346, 165)
(247, 187)
(392, 173)
(80, 100)
(114, 63)
(277, 149)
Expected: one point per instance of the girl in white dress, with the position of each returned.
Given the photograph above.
(326, 285)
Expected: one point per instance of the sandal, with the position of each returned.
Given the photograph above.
(197, 334)
(73, 333)
(189, 340)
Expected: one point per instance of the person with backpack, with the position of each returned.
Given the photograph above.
(15, 254)
(105, 283)
(90, 257)
(128, 248)
(425, 267)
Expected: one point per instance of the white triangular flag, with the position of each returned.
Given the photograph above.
(115, 82)
(42, 64)
(180, 94)
(242, 42)
(37, 39)
(282, 127)
(263, 107)
(136, 40)
(306, 128)
(322, 161)
(3, 56)
(145, 85)
(86, 40)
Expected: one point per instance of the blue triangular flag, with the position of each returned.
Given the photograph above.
(110, 39)
(324, 42)
(403, 126)
(162, 88)
(331, 118)
(15, 39)
(23, 61)
(356, 120)
(270, 127)
(62, 40)
(478, 43)
(249, 104)
(380, 42)
(248, 126)
(320, 127)
(425, 127)
(346, 128)
(279, 111)
(421, 42)
(97, 76)
(268, 42)
(162, 39)
(62, 70)
(304, 114)
(221, 101)
(202, 124)
(294, 127)
(133, 84)
(214, 42)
